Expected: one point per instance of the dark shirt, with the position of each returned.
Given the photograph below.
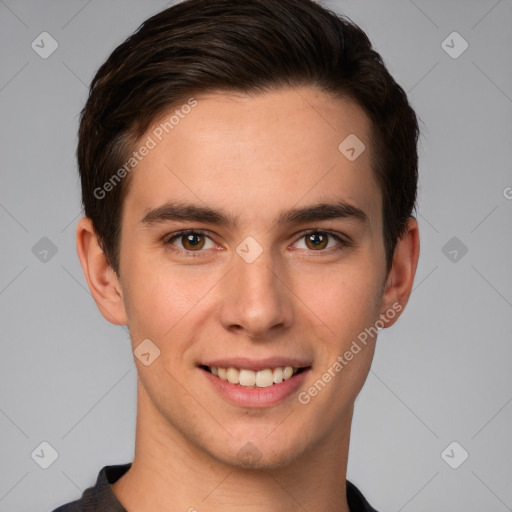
(100, 497)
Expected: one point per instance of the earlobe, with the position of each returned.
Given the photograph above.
(401, 276)
(101, 278)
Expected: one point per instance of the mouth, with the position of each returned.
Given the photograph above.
(248, 378)
(256, 383)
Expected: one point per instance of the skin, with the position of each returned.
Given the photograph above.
(252, 157)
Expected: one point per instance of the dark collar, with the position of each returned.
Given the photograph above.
(101, 498)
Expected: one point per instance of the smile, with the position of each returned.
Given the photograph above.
(248, 378)
(256, 384)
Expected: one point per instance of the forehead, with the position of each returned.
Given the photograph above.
(253, 155)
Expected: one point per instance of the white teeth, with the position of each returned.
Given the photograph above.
(233, 375)
(248, 378)
(278, 375)
(287, 372)
(265, 378)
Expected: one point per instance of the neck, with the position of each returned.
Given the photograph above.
(176, 474)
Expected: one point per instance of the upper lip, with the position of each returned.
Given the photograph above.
(257, 364)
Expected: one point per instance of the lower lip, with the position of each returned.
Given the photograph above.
(256, 397)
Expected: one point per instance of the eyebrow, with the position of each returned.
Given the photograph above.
(184, 211)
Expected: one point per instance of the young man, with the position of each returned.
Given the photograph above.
(249, 173)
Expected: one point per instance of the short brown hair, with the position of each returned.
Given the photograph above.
(249, 46)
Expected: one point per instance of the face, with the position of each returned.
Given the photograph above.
(266, 276)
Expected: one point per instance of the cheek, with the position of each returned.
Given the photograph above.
(158, 297)
(343, 298)
(347, 303)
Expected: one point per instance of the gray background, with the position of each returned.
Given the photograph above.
(441, 374)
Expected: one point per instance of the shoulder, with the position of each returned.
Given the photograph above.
(356, 500)
(99, 498)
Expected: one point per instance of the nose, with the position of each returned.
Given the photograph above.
(257, 300)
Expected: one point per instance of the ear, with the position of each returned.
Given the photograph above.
(401, 276)
(101, 278)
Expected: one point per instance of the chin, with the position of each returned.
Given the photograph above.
(261, 454)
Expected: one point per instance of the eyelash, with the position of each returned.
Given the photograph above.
(342, 243)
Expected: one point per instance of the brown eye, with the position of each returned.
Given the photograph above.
(322, 241)
(317, 240)
(193, 241)
(190, 241)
